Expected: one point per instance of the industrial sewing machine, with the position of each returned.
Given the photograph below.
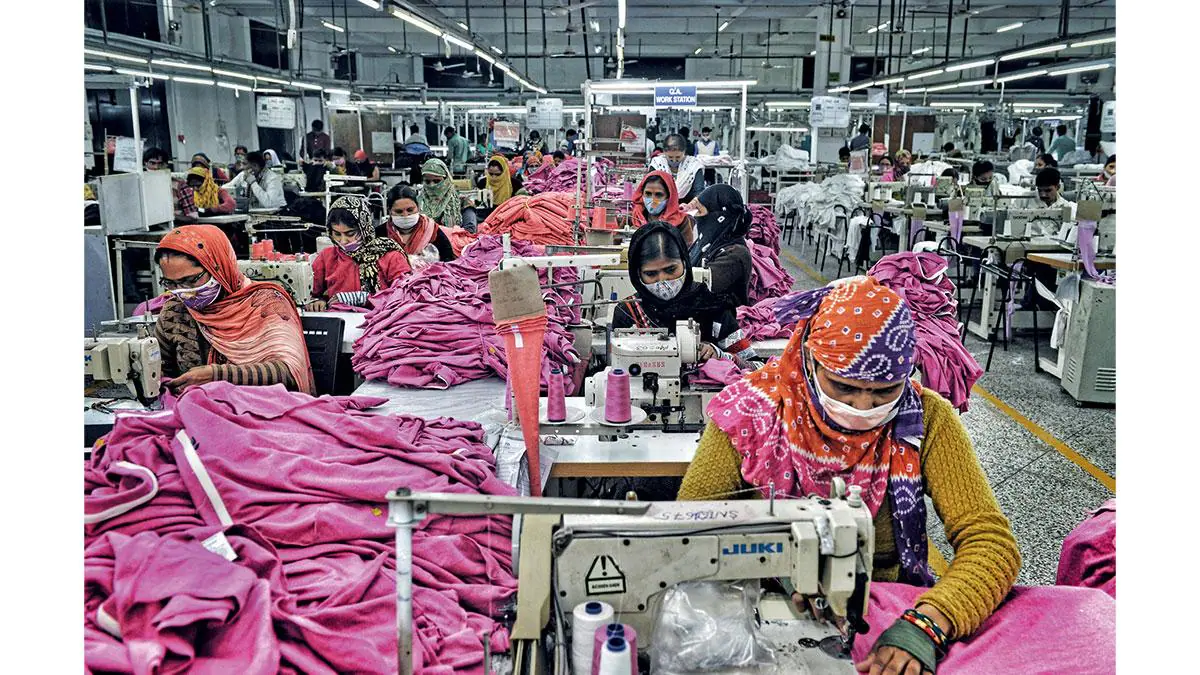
(133, 360)
(883, 191)
(1019, 223)
(628, 554)
(296, 277)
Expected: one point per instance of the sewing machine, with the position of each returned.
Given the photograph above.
(133, 360)
(569, 551)
(883, 191)
(296, 277)
(1014, 223)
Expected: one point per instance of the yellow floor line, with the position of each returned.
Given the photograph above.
(804, 267)
(1062, 448)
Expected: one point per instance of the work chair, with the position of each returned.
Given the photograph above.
(1009, 278)
(789, 226)
(951, 250)
(323, 338)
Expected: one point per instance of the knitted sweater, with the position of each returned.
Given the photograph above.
(986, 558)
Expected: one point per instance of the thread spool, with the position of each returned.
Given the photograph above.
(627, 190)
(610, 631)
(617, 408)
(586, 618)
(556, 398)
(615, 658)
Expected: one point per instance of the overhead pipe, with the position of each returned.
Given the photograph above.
(966, 24)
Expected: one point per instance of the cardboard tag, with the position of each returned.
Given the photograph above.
(877, 206)
(918, 212)
(956, 204)
(220, 545)
(515, 293)
(1088, 209)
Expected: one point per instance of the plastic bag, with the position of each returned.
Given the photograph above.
(709, 627)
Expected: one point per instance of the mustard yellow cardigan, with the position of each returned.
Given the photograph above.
(986, 558)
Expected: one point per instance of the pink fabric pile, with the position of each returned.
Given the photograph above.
(946, 365)
(768, 279)
(758, 321)
(542, 219)
(764, 230)
(716, 373)
(562, 178)
(435, 329)
(245, 531)
(1040, 630)
(1089, 553)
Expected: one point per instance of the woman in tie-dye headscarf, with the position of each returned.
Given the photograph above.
(841, 403)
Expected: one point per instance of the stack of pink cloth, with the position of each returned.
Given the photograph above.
(547, 218)
(435, 329)
(758, 321)
(946, 365)
(1089, 553)
(768, 279)
(562, 178)
(764, 230)
(245, 531)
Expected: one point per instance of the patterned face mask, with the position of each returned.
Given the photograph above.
(654, 206)
(199, 297)
(666, 290)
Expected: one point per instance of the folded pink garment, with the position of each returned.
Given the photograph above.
(1040, 630)
(562, 178)
(434, 329)
(758, 321)
(764, 229)
(1089, 553)
(151, 306)
(716, 373)
(946, 365)
(307, 478)
(768, 279)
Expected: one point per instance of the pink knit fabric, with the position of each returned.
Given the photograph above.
(768, 279)
(297, 485)
(1089, 553)
(758, 321)
(764, 229)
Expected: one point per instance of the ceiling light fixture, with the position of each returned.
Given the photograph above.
(928, 73)
(917, 90)
(838, 90)
(230, 73)
(1011, 26)
(93, 66)
(1080, 69)
(890, 80)
(723, 27)
(698, 50)
(861, 85)
(1093, 43)
(305, 85)
(922, 50)
(782, 130)
(464, 26)
(235, 87)
(880, 27)
(813, 53)
(970, 65)
(271, 80)
(180, 64)
(485, 56)
(1033, 52)
(417, 21)
(117, 57)
(191, 80)
(1047, 106)
(498, 50)
(373, 4)
(142, 73)
(1022, 76)
(392, 49)
(332, 26)
(964, 104)
(621, 14)
(267, 90)
(789, 104)
(343, 92)
(455, 40)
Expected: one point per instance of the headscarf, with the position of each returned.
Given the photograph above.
(899, 167)
(208, 195)
(373, 248)
(694, 300)
(441, 201)
(535, 155)
(673, 214)
(254, 321)
(689, 166)
(856, 329)
(271, 159)
(726, 222)
(501, 186)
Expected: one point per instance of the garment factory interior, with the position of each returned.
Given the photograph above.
(598, 337)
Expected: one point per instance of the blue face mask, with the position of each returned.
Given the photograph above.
(654, 206)
(674, 165)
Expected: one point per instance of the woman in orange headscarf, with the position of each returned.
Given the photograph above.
(220, 325)
(657, 198)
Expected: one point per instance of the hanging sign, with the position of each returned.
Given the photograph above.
(1108, 118)
(829, 111)
(633, 139)
(276, 112)
(674, 97)
(127, 156)
(506, 134)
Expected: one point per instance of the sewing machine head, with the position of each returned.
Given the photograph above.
(1020, 223)
(883, 190)
(295, 276)
(823, 546)
(130, 359)
(655, 361)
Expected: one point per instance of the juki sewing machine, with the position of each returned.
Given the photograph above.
(133, 360)
(296, 277)
(627, 554)
(1015, 223)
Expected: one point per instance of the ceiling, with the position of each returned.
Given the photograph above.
(676, 28)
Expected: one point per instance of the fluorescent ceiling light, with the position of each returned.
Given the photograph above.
(230, 73)
(1081, 69)
(922, 50)
(117, 57)
(782, 130)
(464, 26)
(142, 73)
(332, 26)
(963, 104)
(498, 50)
(1011, 26)
(235, 87)
(472, 104)
(392, 49)
(505, 110)
(1093, 43)
(92, 66)
(723, 27)
(890, 80)
(698, 50)
(180, 64)
(343, 92)
(917, 90)
(621, 14)
(267, 90)
(271, 80)
(928, 73)
(859, 105)
(373, 4)
(455, 40)
(485, 56)
(1047, 106)
(878, 28)
(402, 104)
(1033, 52)
(1065, 118)
(813, 53)
(417, 21)
(789, 104)
(959, 85)
(191, 80)
(1022, 76)
(305, 85)
(836, 90)
(861, 85)
(969, 65)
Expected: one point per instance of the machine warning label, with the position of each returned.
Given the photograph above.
(604, 577)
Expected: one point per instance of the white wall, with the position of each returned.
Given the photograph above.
(211, 119)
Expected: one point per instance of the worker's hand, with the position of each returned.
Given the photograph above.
(248, 176)
(316, 306)
(707, 352)
(890, 661)
(192, 378)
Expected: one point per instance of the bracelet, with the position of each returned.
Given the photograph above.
(929, 626)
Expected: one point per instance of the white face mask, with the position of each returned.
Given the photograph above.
(852, 419)
(666, 290)
(406, 223)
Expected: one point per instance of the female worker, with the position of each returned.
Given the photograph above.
(886, 169)
(904, 161)
(1109, 175)
(359, 263)
(666, 293)
(416, 233)
(209, 198)
(201, 160)
(500, 181)
(840, 403)
(339, 162)
(657, 199)
(686, 170)
(531, 165)
(220, 325)
(272, 160)
(439, 198)
(719, 245)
